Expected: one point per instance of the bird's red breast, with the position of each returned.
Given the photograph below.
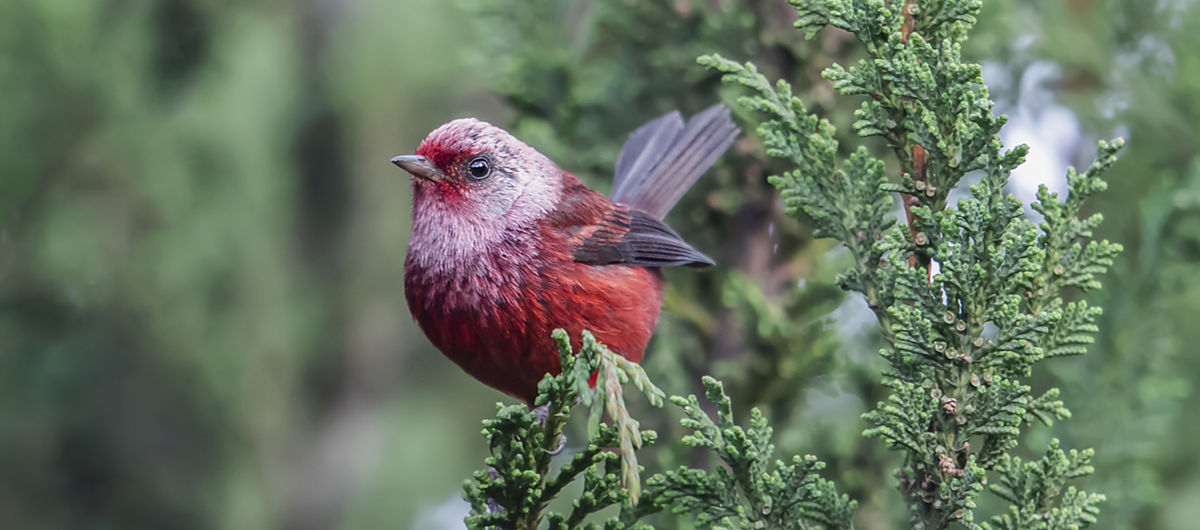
(495, 320)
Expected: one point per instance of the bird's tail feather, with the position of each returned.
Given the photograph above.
(664, 157)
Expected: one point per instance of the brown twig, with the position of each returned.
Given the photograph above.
(918, 161)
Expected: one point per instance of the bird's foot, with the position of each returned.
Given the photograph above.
(492, 505)
(562, 443)
(540, 413)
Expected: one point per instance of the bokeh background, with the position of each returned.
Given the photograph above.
(202, 321)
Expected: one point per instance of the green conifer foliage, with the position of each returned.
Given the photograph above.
(969, 296)
(748, 492)
(517, 487)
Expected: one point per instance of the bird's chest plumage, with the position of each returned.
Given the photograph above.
(492, 312)
(483, 308)
(459, 297)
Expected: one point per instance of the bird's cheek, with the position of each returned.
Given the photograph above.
(497, 202)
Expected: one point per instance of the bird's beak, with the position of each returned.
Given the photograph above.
(419, 166)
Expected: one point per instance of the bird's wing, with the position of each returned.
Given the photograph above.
(632, 237)
(601, 232)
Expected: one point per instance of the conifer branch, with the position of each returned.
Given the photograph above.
(517, 486)
(1038, 493)
(962, 342)
(751, 491)
(515, 490)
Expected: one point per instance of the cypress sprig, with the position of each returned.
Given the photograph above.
(1038, 492)
(969, 295)
(516, 488)
(749, 491)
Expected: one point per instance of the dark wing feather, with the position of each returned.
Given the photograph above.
(663, 158)
(631, 237)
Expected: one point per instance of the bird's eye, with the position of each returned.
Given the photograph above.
(479, 168)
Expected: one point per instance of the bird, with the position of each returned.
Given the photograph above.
(505, 246)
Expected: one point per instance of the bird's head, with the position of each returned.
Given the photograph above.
(475, 170)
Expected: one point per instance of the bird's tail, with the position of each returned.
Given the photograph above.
(664, 157)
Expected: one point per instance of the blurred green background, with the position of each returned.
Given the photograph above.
(202, 321)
